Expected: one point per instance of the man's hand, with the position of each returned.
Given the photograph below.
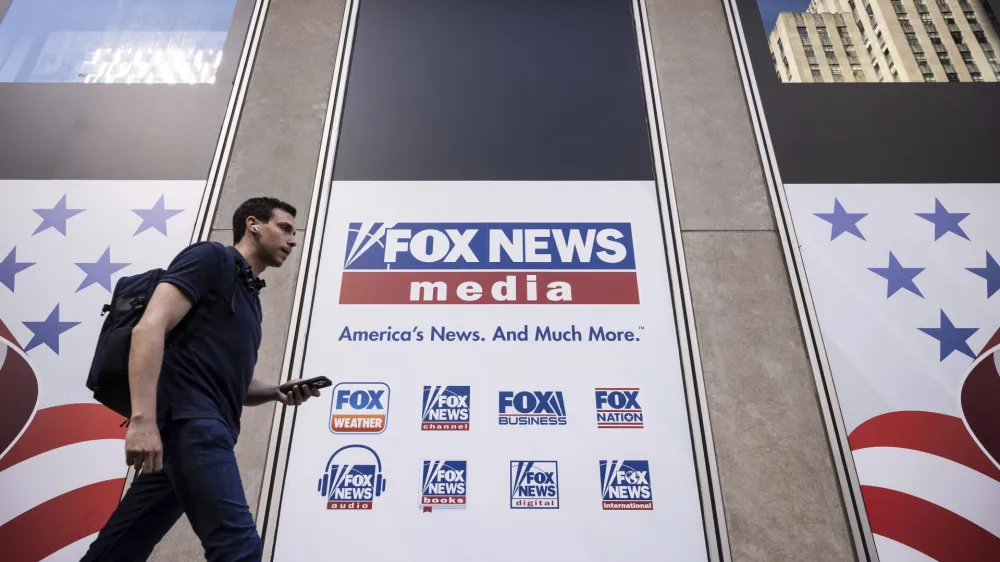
(299, 394)
(143, 448)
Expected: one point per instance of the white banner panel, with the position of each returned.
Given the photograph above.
(507, 380)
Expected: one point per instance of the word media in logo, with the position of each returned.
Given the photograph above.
(532, 407)
(352, 478)
(446, 408)
(618, 408)
(489, 263)
(534, 485)
(443, 485)
(626, 485)
(359, 407)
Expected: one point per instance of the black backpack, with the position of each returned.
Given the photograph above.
(108, 376)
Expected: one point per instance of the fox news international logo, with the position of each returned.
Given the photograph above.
(489, 263)
(443, 485)
(359, 407)
(534, 485)
(446, 408)
(625, 485)
(352, 478)
(618, 408)
(532, 407)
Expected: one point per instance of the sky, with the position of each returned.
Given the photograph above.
(769, 10)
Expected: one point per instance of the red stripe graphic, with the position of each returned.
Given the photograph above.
(7, 335)
(17, 400)
(980, 399)
(59, 426)
(928, 528)
(935, 434)
(59, 522)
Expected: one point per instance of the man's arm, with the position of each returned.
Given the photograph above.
(262, 393)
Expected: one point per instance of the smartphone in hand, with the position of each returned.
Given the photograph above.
(315, 382)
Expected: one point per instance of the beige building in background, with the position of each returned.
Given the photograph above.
(887, 41)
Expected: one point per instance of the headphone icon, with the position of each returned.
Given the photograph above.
(327, 481)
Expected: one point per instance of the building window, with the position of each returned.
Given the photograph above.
(980, 36)
(911, 38)
(928, 77)
(952, 76)
(803, 32)
(957, 36)
(817, 77)
(977, 77)
(967, 57)
(838, 76)
(935, 38)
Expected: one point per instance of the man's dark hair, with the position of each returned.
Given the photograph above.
(260, 208)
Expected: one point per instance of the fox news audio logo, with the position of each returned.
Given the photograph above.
(625, 485)
(443, 485)
(446, 408)
(532, 407)
(618, 408)
(489, 263)
(534, 485)
(359, 407)
(352, 478)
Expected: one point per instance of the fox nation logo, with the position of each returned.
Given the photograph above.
(625, 485)
(534, 485)
(443, 485)
(532, 407)
(489, 263)
(359, 407)
(352, 478)
(446, 408)
(618, 408)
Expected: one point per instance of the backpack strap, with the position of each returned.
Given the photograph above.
(225, 289)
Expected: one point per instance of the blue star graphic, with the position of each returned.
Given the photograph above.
(56, 217)
(155, 217)
(48, 331)
(100, 271)
(951, 338)
(991, 273)
(10, 267)
(944, 222)
(842, 221)
(899, 277)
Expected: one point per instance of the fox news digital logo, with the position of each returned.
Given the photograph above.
(625, 485)
(359, 407)
(618, 408)
(443, 485)
(489, 263)
(446, 408)
(351, 480)
(534, 485)
(532, 407)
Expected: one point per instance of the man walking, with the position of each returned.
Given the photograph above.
(187, 399)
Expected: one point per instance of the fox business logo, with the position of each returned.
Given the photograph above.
(625, 485)
(618, 408)
(534, 485)
(446, 408)
(489, 263)
(532, 407)
(352, 478)
(443, 485)
(359, 407)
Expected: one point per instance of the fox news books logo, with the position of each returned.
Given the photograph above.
(626, 485)
(532, 407)
(443, 485)
(359, 407)
(446, 408)
(618, 408)
(489, 263)
(534, 485)
(352, 478)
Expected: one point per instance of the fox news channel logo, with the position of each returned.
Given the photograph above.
(532, 407)
(359, 407)
(489, 263)
(618, 408)
(444, 485)
(626, 485)
(446, 408)
(534, 485)
(352, 478)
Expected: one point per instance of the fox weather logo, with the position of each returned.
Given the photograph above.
(534, 485)
(626, 485)
(446, 408)
(532, 407)
(359, 407)
(443, 485)
(352, 478)
(618, 408)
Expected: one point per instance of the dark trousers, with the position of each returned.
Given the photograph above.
(199, 478)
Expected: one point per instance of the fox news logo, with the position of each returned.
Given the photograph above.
(350, 484)
(534, 485)
(625, 485)
(491, 263)
(446, 408)
(444, 485)
(359, 407)
(532, 407)
(618, 408)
